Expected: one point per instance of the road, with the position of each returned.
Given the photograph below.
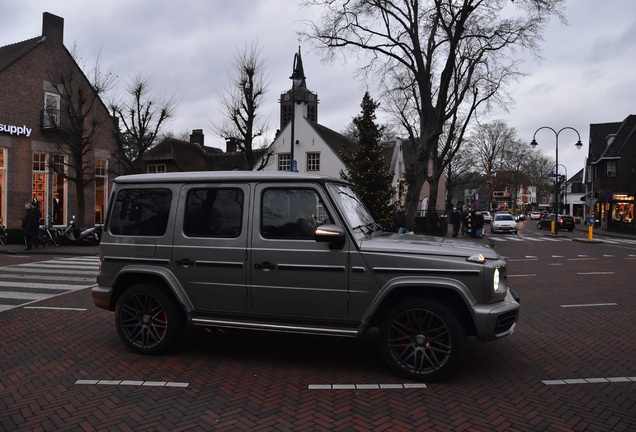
(568, 366)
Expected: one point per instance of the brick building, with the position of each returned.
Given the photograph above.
(35, 159)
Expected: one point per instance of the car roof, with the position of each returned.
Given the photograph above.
(216, 176)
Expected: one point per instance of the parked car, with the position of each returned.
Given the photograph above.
(563, 222)
(291, 252)
(503, 222)
(487, 217)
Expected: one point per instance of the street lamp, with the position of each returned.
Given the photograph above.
(297, 78)
(556, 184)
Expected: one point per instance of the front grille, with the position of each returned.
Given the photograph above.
(505, 322)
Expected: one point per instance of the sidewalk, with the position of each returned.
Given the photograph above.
(600, 233)
(15, 249)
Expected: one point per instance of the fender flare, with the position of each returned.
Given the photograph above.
(165, 274)
(418, 281)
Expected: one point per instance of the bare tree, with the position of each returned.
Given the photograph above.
(81, 120)
(431, 52)
(491, 143)
(241, 103)
(142, 115)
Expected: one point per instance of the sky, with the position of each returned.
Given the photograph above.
(586, 74)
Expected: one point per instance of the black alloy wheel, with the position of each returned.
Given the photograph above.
(422, 340)
(148, 320)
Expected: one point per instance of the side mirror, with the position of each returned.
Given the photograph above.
(332, 234)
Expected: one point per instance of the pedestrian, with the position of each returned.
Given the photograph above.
(479, 224)
(456, 219)
(433, 219)
(399, 220)
(30, 225)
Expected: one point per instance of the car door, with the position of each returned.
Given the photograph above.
(291, 273)
(210, 242)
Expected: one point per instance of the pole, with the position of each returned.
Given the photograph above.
(556, 190)
(293, 121)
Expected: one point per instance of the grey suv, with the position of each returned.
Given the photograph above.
(290, 252)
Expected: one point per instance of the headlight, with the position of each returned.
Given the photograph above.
(496, 286)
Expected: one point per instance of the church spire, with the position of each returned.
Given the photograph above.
(298, 97)
(298, 73)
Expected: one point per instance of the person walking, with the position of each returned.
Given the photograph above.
(456, 219)
(399, 219)
(30, 225)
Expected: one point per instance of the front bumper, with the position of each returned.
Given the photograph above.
(494, 321)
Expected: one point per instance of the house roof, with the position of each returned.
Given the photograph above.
(186, 155)
(339, 144)
(624, 132)
(190, 156)
(9, 54)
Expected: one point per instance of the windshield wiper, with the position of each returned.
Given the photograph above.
(367, 228)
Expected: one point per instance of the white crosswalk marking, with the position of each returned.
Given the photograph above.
(506, 238)
(27, 283)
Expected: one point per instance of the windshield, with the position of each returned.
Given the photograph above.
(501, 217)
(352, 207)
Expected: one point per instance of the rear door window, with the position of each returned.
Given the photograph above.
(141, 212)
(213, 212)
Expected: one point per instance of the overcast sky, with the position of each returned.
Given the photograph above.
(587, 74)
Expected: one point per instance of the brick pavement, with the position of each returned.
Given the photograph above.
(247, 381)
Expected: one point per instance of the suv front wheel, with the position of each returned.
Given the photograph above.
(422, 340)
(148, 320)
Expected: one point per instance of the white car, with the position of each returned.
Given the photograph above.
(503, 222)
(487, 216)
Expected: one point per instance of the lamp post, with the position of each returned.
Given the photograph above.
(556, 183)
(558, 180)
(297, 78)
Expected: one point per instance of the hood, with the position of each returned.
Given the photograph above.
(425, 245)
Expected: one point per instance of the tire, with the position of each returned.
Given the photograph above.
(422, 340)
(148, 320)
(58, 238)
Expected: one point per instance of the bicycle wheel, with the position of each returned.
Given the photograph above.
(57, 238)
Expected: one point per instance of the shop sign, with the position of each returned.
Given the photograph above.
(15, 130)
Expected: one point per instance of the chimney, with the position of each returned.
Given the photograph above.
(196, 137)
(53, 27)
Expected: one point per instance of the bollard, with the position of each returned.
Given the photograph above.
(590, 234)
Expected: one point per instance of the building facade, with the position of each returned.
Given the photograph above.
(35, 161)
(610, 174)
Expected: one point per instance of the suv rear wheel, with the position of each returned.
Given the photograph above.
(422, 340)
(148, 320)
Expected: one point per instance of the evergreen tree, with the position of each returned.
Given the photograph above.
(367, 169)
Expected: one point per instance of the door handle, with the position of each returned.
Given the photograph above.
(265, 266)
(184, 262)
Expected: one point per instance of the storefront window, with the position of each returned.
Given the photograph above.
(40, 182)
(3, 186)
(101, 184)
(624, 211)
(59, 190)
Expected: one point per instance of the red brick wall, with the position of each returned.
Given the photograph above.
(22, 87)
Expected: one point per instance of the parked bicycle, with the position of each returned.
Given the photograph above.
(49, 234)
